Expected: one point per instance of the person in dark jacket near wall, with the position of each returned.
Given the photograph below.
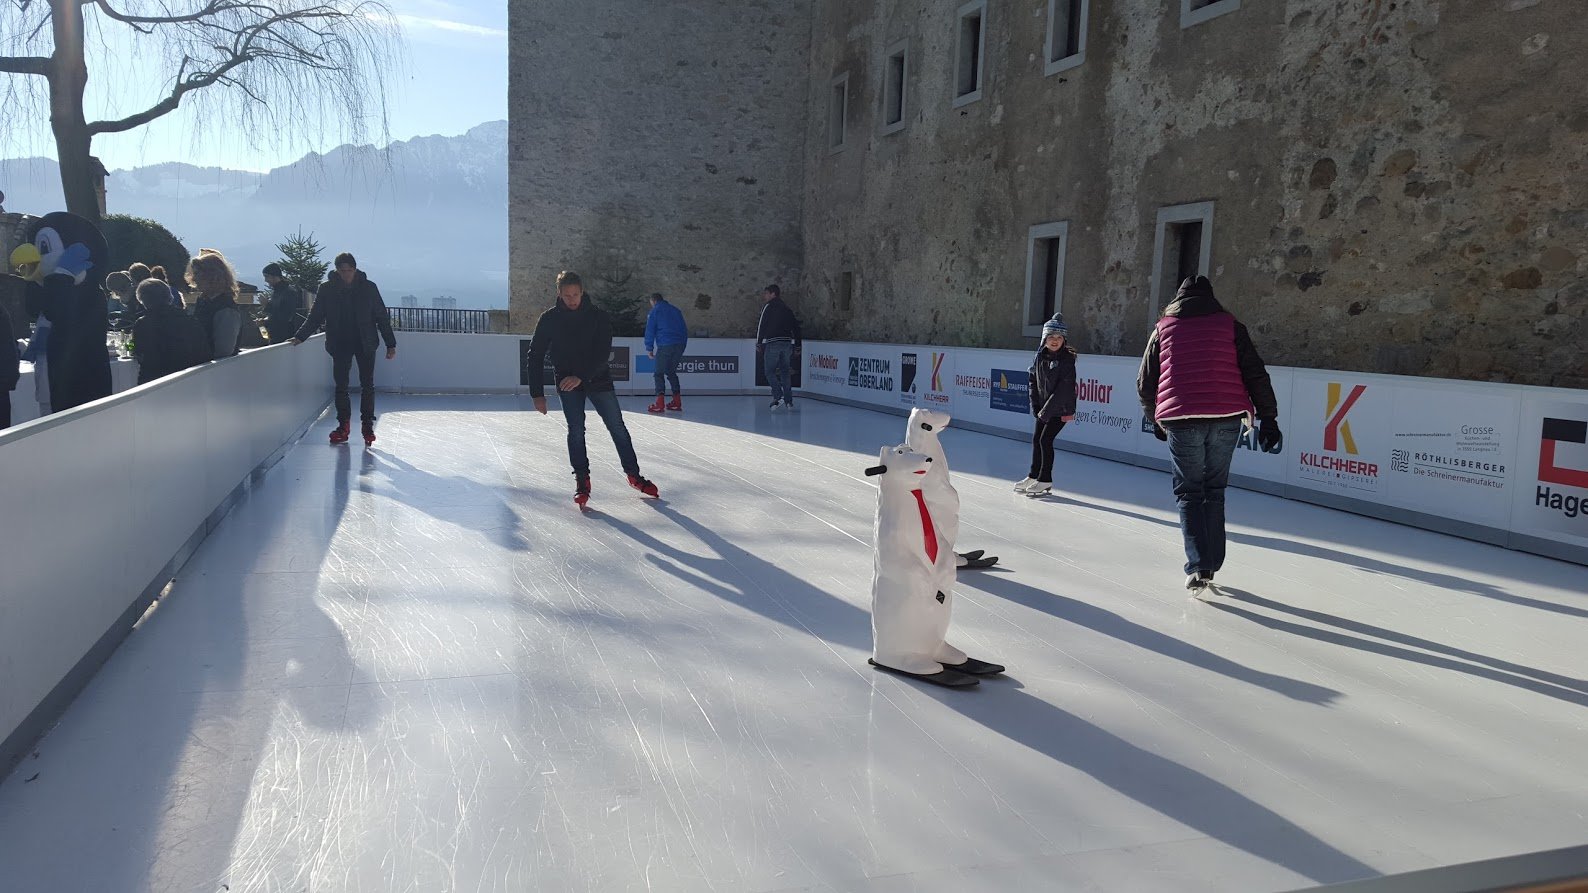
(10, 367)
(577, 335)
(284, 314)
(165, 340)
(1051, 385)
(1201, 378)
(350, 308)
(777, 339)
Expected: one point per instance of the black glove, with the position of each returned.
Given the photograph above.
(1158, 432)
(1269, 437)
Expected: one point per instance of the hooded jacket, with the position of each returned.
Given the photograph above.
(354, 316)
(166, 341)
(284, 314)
(1200, 363)
(579, 343)
(1052, 383)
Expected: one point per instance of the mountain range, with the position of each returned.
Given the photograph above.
(425, 217)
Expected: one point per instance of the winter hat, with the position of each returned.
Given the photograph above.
(1055, 326)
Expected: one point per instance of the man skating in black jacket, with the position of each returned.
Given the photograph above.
(578, 337)
(349, 306)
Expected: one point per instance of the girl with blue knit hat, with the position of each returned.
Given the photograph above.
(1052, 391)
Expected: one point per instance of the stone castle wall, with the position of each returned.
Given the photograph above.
(1395, 186)
(657, 147)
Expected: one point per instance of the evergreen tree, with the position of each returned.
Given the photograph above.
(625, 310)
(301, 264)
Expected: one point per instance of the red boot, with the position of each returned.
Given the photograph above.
(581, 491)
(658, 406)
(339, 433)
(642, 485)
(677, 403)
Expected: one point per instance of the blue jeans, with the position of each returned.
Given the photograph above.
(779, 357)
(606, 406)
(667, 357)
(1201, 451)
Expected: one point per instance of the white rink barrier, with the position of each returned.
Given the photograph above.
(105, 502)
(443, 363)
(1504, 464)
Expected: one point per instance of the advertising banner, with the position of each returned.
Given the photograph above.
(1453, 450)
(935, 382)
(1551, 477)
(691, 365)
(1107, 410)
(1340, 437)
(820, 368)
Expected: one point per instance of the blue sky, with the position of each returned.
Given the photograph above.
(455, 78)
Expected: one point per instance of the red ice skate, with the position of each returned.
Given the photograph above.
(339, 433)
(658, 406)
(642, 485)
(581, 490)
(369, 434)
(676, 404)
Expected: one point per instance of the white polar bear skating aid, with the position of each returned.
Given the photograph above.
(913, 577)
(922, 434)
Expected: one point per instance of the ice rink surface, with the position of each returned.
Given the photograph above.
(420, 668)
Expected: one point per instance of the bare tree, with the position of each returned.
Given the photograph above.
(296, 68)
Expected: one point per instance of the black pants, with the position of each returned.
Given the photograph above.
(1042, 449)
(5, 410)
(341, 365)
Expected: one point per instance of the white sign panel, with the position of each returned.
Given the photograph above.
(1551, 477)
(1107, 409)
(1341, 436)
(1452, 450)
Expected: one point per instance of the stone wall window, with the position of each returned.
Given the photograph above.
(970, 52)
(1046, 245)
(895, 81)
(1183, 247)
(1066, 34)
(837, 112)
(1195, 12)
(846, 291)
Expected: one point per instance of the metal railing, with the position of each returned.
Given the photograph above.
(430, 319)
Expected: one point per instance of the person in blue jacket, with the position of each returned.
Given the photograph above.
(665, 339)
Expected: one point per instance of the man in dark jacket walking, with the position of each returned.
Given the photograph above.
(577, 335)
(284, 314)
(1200, 378)
(777, 339)
(350, 308)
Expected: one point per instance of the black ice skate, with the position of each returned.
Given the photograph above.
(977, 560)
(975, 667)
(945, 677)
